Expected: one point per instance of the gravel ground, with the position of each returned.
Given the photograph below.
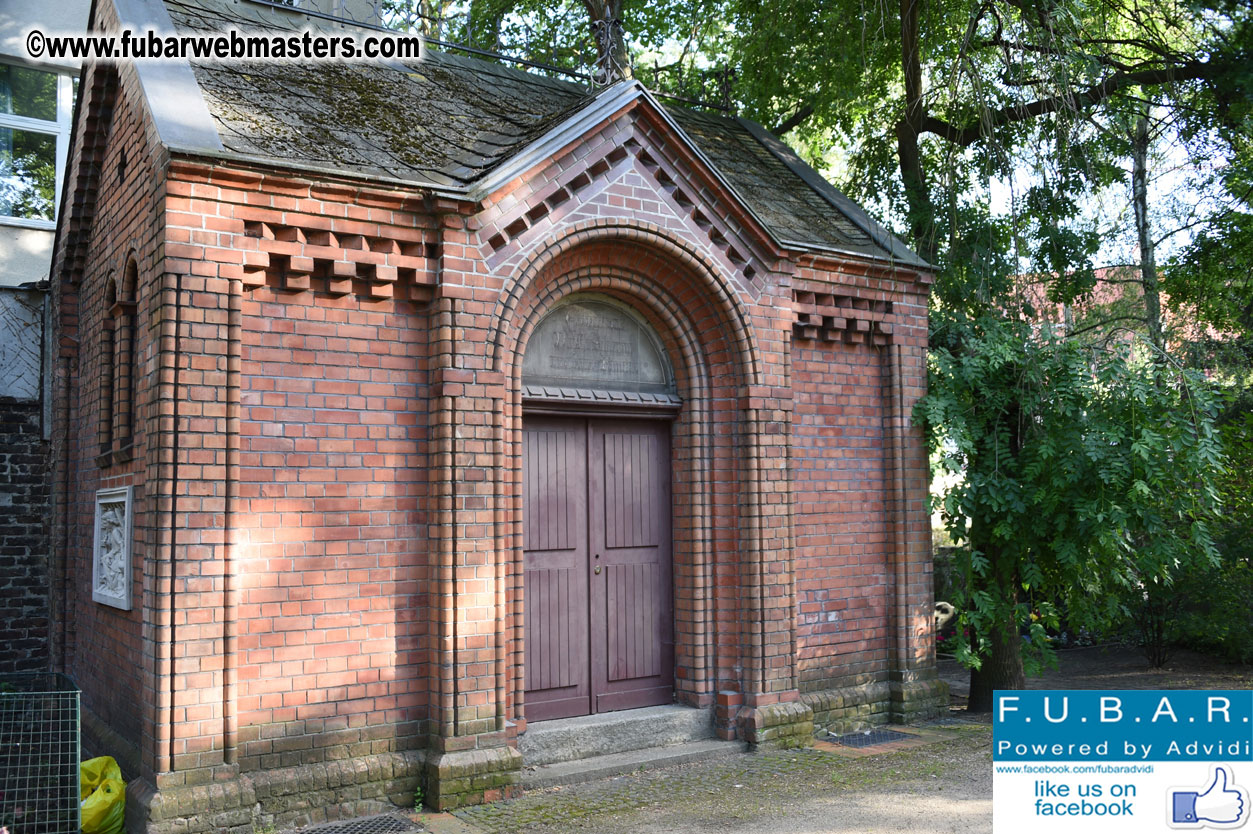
(943, 787)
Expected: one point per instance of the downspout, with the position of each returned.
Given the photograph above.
(230, 578)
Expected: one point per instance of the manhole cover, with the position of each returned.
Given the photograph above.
(869, 738)
(382, 824)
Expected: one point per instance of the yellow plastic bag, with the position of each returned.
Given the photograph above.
(103, 794)
(93, 772)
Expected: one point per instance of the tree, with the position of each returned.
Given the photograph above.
(1084, 472)
(987, 75)
(938, 101)
(588, 38)
(1212, 276)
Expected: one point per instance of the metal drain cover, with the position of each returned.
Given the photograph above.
(381, 824)
(869, 738)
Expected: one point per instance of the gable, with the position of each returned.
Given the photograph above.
(630, 170)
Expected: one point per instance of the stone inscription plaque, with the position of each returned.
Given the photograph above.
(588, 342)
(595, 344)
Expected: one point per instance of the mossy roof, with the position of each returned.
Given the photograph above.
(448, 121)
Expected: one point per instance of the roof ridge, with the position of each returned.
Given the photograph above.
(504, 69)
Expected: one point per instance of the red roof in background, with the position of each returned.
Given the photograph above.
(1116, 286)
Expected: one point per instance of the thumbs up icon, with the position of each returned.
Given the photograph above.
(1221, 805)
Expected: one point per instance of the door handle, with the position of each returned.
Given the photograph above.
(597, 570)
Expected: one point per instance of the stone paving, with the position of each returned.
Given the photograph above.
(638, 790)
(742, 772)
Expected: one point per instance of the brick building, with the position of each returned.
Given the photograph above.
(398, 407)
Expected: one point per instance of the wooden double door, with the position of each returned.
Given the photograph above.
(598, 612)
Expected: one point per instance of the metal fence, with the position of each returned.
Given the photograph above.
(39, 754)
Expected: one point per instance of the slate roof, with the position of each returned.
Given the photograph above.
(789, 206)
(448, 121)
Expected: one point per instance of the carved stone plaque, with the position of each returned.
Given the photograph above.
(111, 562)
(595, 344)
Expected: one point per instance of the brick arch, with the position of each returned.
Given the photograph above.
(631, 246)
(712, 350)
(129, 284)
(119, 333)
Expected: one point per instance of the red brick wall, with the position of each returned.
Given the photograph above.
(100, 647)
(863, 555)
(332, 560)
(839, 462)
(299, 634)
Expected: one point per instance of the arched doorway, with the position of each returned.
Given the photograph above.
(598, 398)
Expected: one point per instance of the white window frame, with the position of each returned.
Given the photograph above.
(59, 128)
(125, 496)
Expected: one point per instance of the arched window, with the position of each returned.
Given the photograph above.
(124, 364)
(104, 424)
(119, 357)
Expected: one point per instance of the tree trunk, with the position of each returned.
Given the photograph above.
(613, 63)
(908, 129)
(1140, 200)
(1002, 668)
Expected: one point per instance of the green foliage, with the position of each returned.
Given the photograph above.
(1236, 486)
(1216, 601)
(1216, 610)
(1215, 273)
(1006, 89)
(1084, 473)
(555, 33)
